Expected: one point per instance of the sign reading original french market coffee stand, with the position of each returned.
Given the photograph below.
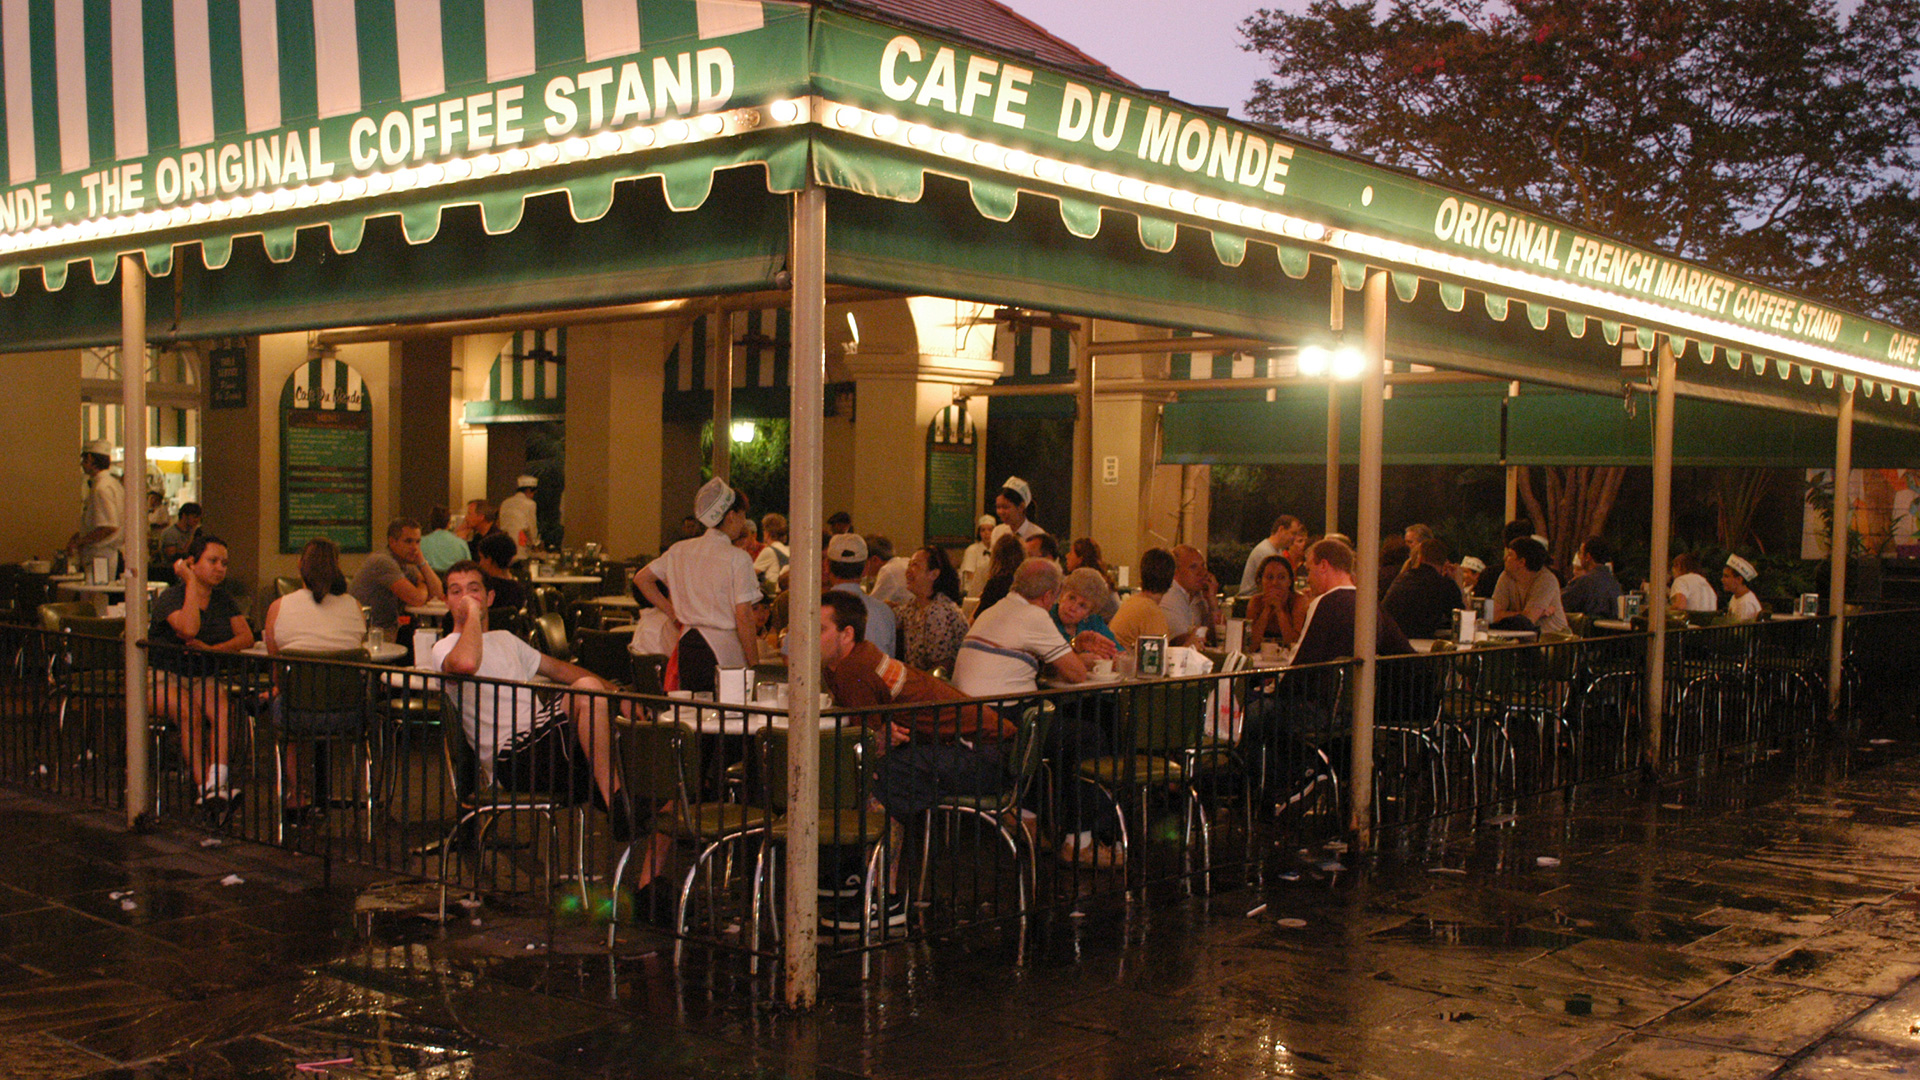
(326, 457)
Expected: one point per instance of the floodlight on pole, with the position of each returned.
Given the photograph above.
(1313, 361)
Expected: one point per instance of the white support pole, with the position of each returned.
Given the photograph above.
(1838, 549)
(720, 365)
(809, 377)
(1659, 555)
(1333, 457)
(133, 532)
(1373, 392)
(1336, 322)
(1081, 520)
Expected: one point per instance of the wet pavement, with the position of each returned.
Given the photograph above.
(1766, 924)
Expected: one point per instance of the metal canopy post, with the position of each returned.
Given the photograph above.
(133, 531)
(720, 363)
(1659, 554)
(1081, 520)
(1337, 322)
(1373, 392)
(801, 914)
(1838, 548)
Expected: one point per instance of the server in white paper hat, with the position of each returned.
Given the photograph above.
(520, 515)
(99, 535)
(713, 589)
(1737, 579)
(1013, 505)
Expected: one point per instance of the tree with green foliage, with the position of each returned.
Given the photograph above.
(1777, 139)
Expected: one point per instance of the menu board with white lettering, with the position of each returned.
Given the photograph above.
(326, 458)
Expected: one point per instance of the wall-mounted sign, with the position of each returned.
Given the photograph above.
(227, 378)
(951, 455)
(326, 457)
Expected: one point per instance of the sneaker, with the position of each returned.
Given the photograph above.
(845, 913)
(218, 805)
(854, 886)
(1093, 856)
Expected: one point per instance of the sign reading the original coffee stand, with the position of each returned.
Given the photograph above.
(1120, 147)
(288, 110)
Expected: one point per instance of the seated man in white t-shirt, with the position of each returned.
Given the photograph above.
(528, 739)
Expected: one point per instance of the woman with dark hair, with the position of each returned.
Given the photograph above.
(318, 617)
(191, 620)
(1008, 554)
(931, 625)
(1276, 611)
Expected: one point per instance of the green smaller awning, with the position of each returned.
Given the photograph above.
(1425, 425)
(528, 382)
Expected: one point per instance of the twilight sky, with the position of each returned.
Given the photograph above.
(1189, 48)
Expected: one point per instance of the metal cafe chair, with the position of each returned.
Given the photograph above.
(480, 803)
(324, 700)
(847, 817)
(1162, 725)
(1024, 761)
(660, 764)
(87, 667)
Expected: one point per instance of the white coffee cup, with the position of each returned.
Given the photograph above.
(1103, 669)
(424, 638)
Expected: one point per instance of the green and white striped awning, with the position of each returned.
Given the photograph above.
(528, 381)
(133, 125)
(167, 425)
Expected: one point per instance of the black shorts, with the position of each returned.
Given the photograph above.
(547, 760)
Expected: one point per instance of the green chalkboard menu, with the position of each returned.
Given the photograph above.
(952, 501)
(326, 457)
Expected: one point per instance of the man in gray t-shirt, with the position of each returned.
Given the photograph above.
(396, 578)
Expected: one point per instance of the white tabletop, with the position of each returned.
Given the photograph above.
(563, 579)
(431, 607)
(386, 653)
(108, 587)
(615, 601)
(63, 578)
(1612, 624)
(709, 719)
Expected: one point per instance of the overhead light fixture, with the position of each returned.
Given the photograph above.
(1313, 361)
(1348, 362)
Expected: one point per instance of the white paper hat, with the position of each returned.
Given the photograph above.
(1020, 488)
(1742, 567)
(527, 480)
(1473, 564)
(710, 505)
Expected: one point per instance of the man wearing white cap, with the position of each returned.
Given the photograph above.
(1013, 504)
(520, 515)
(99, 535)
(842, 565)
(1737, 578)
(713, 590)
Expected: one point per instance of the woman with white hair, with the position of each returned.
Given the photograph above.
(1083, 594)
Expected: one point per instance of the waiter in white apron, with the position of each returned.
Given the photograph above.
(713, 590)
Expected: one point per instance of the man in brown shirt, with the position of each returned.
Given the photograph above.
(936, 740)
